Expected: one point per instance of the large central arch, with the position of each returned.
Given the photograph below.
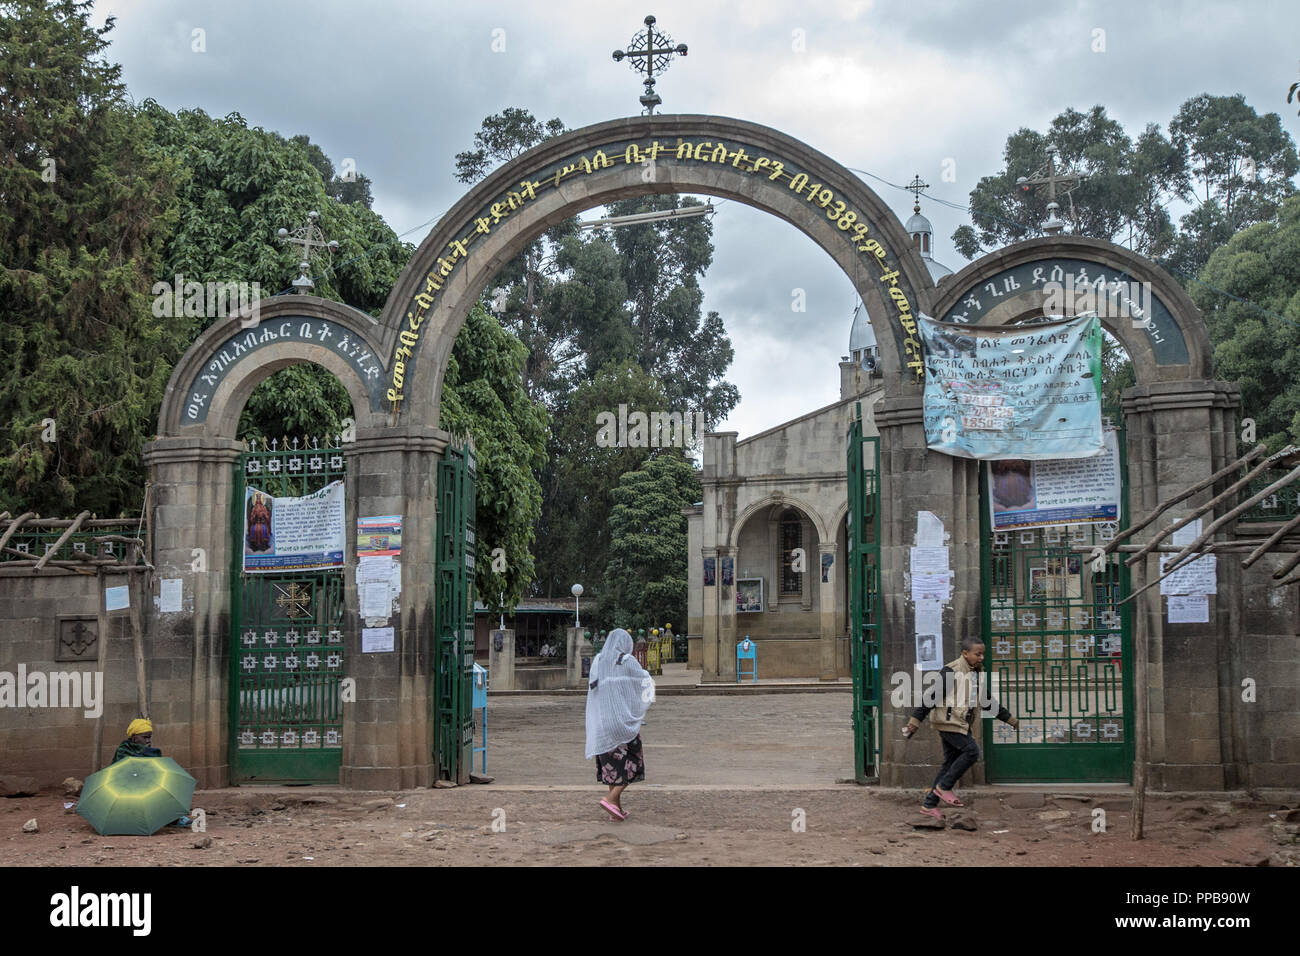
(710, 155)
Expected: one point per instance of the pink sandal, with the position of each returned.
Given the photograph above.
(948, 797)
(933, 812)
(614, 811)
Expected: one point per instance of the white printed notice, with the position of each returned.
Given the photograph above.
(1198, 577)
(294, 534)
(1035, 494)
(1189, 608)
(169, 595)
(376, 640)
(376, 600)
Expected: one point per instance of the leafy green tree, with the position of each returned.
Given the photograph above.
(579, 482)
(1259, 265)
(1232, 165)
(1122, 192)
(663, 263)
(87, 207)
(484, 397)
(1240, 166)
(351, 187)
(645, 579)
(527, 279)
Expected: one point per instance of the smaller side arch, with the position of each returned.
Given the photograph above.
(1003, 287)
(213, 379)
(787, 500)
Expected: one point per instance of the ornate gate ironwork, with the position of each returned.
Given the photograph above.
(286, 653)
(1058, 650)
(455, 548)
(862, 542)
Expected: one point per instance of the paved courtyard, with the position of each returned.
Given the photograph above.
(761, 739)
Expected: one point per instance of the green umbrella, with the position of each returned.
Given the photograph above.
(136, 796)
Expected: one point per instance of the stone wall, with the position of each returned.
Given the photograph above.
(37, 615)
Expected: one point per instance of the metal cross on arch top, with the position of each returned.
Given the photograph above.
(649, 53)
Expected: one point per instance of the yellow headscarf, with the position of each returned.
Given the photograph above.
(140, 725)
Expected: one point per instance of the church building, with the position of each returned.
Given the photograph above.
(767, 543)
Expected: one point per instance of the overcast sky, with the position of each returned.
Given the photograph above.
(890, 88)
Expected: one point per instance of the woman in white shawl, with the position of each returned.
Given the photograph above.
(619, 692)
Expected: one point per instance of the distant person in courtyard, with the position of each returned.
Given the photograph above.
(139, 741)
(955, 721)
(619, 692)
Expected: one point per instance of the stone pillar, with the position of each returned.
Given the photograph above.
(727, 638)
(1179, 433)
(190, 512)
(709, 647)
(826, 605)
(914, 479)
(580, 646)
(388, 733)
(501, 663)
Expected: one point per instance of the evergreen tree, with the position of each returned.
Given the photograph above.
(582, 472)
(1259, 351)
(645, 579)
(87, 208)
(483, 397)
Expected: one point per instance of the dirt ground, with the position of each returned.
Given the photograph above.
(478, 825)
(739, 781)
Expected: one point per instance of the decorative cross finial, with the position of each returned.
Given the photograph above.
(309, 240)
(1047, 176)
(652, 59)
(916, 187)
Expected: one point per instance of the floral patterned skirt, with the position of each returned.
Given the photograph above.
(622, 765)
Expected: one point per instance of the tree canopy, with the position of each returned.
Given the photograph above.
(1259, 269)
(1229, 164)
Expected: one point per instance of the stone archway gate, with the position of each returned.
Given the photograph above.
(393, 370)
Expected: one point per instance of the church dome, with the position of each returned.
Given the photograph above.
(861, 336)
(922, 233)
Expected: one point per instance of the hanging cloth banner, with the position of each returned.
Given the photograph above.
(1025, 392)
(294, 534)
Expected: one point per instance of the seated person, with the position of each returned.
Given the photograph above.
(139, 741)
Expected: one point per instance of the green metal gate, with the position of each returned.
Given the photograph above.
(1058, 650)
(863, 553)
(286, 654)
(454, 555)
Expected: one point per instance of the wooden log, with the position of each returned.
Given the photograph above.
(68, 533)
(14, 526)
(1183, 496)
(1273, 539)
(1209, 505)
(1138, 810)
(51, 523)
(97, 757)
(1208, 533)
(1288, 567)
(137, 637)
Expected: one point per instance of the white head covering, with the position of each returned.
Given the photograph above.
(619, 692)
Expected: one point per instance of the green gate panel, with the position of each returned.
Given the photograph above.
(862, 542)
(1058, 651)
(286, 640)
(454, 556)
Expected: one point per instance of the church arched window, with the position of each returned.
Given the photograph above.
(791, 538)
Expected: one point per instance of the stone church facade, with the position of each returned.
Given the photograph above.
(776, 502)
